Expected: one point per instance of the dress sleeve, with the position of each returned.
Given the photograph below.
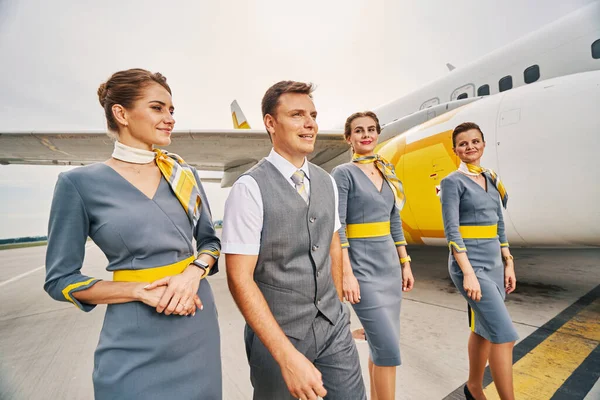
(68, 230)
(207, 241)
(396, 227)
(343, 186)
(501, 233)
(450, 198)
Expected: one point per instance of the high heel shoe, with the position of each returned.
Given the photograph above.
(468, 394)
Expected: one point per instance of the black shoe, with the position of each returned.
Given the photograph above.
(468, 394)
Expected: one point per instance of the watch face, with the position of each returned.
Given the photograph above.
(200, 263)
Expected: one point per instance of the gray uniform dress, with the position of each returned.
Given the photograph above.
(465, 203)
(374, 260)
(141, 354)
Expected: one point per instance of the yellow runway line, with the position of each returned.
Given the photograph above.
(540, 373)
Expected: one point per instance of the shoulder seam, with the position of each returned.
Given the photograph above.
(78, 193)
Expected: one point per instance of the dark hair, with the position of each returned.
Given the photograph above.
(270, 100)
(124, 88)
(465, 126)
(370, 114)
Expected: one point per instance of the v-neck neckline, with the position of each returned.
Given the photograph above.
(160, 182)
(487, 186)
(380, 190)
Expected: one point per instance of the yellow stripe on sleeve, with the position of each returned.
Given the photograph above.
(214, 253)
(456, 246)
(67, 291)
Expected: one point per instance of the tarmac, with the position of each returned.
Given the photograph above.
(46, 347)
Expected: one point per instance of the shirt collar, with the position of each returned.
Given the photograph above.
(286, 168)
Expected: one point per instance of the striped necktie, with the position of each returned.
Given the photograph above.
(476, 170)
(387, 169)
(298, 179)
(183, 182)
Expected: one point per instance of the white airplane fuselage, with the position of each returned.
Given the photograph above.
(542, 137)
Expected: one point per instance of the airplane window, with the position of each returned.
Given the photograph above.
(532, 74)
(505, 83)
(462, 96)
(484, 90)
(596, 49)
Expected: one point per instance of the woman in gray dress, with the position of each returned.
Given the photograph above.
(143, 208)
(472, 200)
(375, 263)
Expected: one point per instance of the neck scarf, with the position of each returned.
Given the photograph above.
(179, 175)
(132, 155)
(475, 170)
(387, 169)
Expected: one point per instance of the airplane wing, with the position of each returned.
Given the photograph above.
(232, 151)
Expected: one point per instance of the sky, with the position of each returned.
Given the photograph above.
(359, 53)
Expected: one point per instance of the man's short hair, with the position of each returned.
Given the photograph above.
(270, 100)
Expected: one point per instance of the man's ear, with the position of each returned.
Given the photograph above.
(269, 122)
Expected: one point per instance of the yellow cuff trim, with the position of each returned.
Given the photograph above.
(401, 243)
(345, 245)
(67, 291)
(214, 253)
(457, 247)
(504, 244)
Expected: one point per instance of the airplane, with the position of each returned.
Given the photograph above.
(535, 99)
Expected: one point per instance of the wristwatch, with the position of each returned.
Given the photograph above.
(509, 257)
(200, 264)
(405, 259)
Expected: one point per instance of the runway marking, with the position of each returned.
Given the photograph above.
(24, 274)
(560, 360)
(542, 372)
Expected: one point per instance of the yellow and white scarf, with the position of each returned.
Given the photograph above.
(179, 175)
(475, 170)
(387, 169)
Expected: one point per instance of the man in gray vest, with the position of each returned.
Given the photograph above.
(283, 257)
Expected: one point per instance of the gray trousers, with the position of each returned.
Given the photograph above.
(329, 347)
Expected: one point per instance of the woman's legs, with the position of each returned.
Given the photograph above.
(479, 352)
(501, 362)
(383, 381)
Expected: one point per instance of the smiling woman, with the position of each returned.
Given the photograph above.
(376, 266)
(143, 208)
(472, 199)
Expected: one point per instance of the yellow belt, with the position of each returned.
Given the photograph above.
(478, 232)
(370, 229)
(151, 274)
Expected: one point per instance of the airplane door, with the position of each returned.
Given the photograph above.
(463, 92)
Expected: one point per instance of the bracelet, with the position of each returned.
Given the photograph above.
(405, 259)
(206, 271)
(508, 257)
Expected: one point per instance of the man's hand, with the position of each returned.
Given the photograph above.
(302, 378)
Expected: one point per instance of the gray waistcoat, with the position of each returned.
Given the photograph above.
(293, 270)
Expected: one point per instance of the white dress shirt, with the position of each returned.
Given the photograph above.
(243, 219)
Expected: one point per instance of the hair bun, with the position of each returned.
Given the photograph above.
(102, 92)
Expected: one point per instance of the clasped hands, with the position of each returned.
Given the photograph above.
(177, 294)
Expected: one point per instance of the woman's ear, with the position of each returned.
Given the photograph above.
(120, 114)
